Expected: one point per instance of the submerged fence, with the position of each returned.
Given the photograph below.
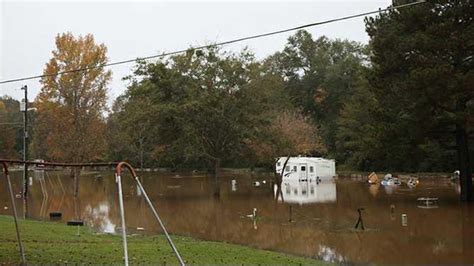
(118, 176)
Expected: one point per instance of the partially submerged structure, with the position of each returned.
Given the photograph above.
(306, 168)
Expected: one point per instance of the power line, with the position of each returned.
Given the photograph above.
(216, 44)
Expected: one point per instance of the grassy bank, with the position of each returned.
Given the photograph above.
(53, 243)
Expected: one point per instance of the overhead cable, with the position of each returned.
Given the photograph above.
(215, 44)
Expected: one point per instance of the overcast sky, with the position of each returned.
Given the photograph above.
(133, 29)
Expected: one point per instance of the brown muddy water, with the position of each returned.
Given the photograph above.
(316, 220)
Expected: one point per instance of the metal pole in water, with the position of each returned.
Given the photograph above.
(22, 253)
(181, 262)
(122, 217)
(289, 219)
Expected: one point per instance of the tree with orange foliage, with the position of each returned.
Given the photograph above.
(289, 134)
(70, 125)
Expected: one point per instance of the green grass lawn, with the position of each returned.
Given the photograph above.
(53, 243)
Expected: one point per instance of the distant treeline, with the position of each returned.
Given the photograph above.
(404, 102)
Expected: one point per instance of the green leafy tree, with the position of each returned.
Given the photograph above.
(207, 108)
(10, 128)
(130, 131)
(376, 134)
(423, 69)
(359, 131)
(320, 76)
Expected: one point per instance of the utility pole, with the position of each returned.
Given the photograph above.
(25, 153)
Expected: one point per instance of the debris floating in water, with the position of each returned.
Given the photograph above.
(456, 175)
(75, 222)
(428, 203)
(359, 220)
(389, 180)
(392, 212)
(412, 182)
(373, 178)
(55, 215)
(404, 220)
(253, 215)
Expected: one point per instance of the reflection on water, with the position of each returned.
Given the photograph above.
(328, 254)
(99, 217)
(322, 215)
(304, 192)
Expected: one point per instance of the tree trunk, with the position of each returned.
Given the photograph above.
(464, 162)
(279, 180)
(217, 190)
(140, 143)
(76, 172)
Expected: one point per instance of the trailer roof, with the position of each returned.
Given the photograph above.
(311, 159)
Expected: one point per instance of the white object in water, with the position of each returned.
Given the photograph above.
(139, 191)
(412, 182)
(30, 181)
(234, 185)
(253, 215)
(256, 183)
(264, 181)
(428, 202)
(393, 181)
(404, 220)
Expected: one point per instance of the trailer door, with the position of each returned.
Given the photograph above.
(303, 175)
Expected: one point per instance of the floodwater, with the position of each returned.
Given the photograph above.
(314, 220)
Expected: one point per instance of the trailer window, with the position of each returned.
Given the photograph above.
(278, 164)
(287, 168)
(303, 168)
(295, 169)
(311, 169)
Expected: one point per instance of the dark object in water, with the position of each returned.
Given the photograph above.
(359, 220)
(428, 203)
(75, 222)
(55, 215)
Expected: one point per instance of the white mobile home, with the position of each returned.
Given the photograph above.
(306, 168)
